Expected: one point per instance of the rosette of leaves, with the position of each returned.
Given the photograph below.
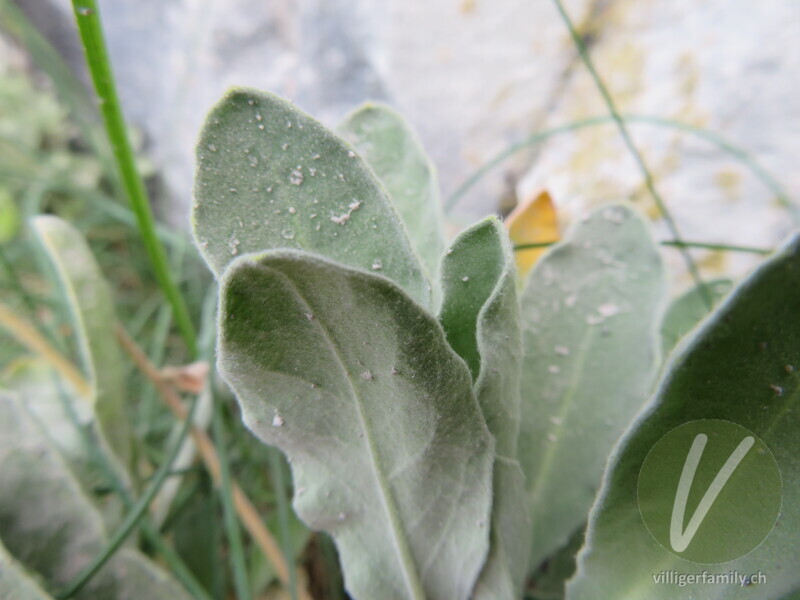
(447, 426)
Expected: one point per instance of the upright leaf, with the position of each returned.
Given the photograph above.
(388, 144)
(740, 366)
(92, 308)
(15, 582)
(356, 383)
(54, 408)
(51, 527)
(480, 315)
(269, 176)
(688, 310)
(590, 315)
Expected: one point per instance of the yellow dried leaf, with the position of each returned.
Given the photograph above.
(533, 222)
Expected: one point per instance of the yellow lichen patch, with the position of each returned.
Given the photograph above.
(534, 221)
(730, 182)
(715, 263)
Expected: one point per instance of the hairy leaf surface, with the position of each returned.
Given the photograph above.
(688, 310)
(480, 314)
(386, 141)
(356, 383)
(48, 524)
(15, 582)
(590, 314)
(741, 366)
(92, 308)
(269, 176)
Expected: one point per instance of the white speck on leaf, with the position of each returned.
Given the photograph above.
(278, 421)
(344, 218)
(608, 310)
(296, 177)
(377, 265)
(553, 369)
(562, 350)
(367, 376)
(465, 279)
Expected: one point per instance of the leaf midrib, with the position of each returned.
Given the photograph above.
(567, 402)
(408, 566)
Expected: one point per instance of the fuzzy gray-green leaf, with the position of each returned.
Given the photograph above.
(48, 524)
(688, 310)
(740, 366)
(590, 314)
(356, 383)
(92, 308)
(480, 315)
(269, 176)
(15, 582)
(386, 141)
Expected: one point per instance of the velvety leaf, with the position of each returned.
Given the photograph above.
(549, 580)
(55, 408)
(590, 315)
(269, 176)
(740, 366)
(388, 144)
(356, 383)
(688, 310)
(480, 315)
(15, 582)
(48, 524)
(534, 221)
(92, 308)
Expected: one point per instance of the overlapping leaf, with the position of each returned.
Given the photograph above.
(92, 308)
(741, 365)
(15, 582)
(269, 176)
(356, 383)
(386, 141)
(48, 524)
(480, 315)
(590, 315)
(688, 310)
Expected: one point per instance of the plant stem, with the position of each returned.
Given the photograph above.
(91, 33)
(540, 137)
(673, 243)
(133, 516)
(238, 562)
(244, 507)
(27, 335)
(639, 159)
(278, 484)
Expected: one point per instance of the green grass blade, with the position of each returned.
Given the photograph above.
(277, 475)
(748, 161)
(99, 64)
(133, 517)
(672, 243)
(241, 578)
(634, 151)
